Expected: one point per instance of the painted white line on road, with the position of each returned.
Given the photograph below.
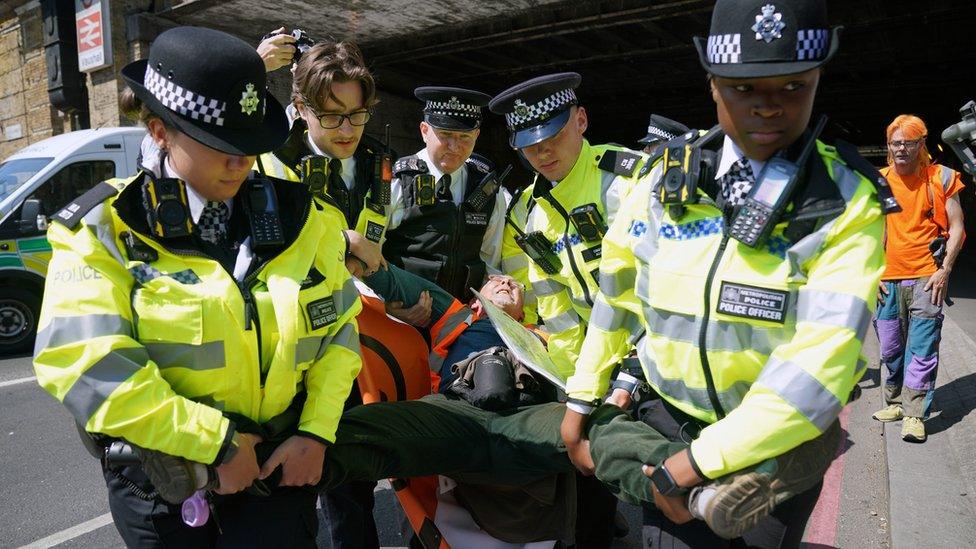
(71, 533)
(17, 381)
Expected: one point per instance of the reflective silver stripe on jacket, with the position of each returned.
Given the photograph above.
(678, 390)
(206, 356)
(461, 316)
(515, 263)
(801, 390)
(66, 330)
(562, 322)
(346, 297)
(546, 287)
(99, 381)
(835, 309)
(610, 319)
(719, 336)
(615, 284)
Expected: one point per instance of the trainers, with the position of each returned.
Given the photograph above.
(892, 412)
(734, 504)
(913, 429)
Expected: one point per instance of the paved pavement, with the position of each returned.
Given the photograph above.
(880, 493)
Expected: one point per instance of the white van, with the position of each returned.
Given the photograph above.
(35, 183)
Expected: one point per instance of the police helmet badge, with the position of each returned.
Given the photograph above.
(454, 104)
(769, 26)
(249, 100)
(521, 109)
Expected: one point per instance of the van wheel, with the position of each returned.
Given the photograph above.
(19, 311)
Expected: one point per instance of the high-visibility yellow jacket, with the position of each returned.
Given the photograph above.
(514, 261)
(603, 175)
(153, 350)
(372, 220)
(763, 344)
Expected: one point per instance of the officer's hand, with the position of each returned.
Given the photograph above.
(278, 50)
(673, 507)
(240, 472)
(939, 285)
(620, 398)
(301, 460)
(577, 447)
(370, 252)
(416, 315)
(882, 291)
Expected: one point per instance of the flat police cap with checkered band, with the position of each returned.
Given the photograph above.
(537, 109)
(454, 109)
(761, 38)
(662, 128)
(210, 86)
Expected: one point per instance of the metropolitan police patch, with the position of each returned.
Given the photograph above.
(322, 312)
(752, 302)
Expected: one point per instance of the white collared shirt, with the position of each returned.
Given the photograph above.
(348, 165)
(730, 154)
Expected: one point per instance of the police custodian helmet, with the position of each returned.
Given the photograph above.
(212, 87)
(761, 38)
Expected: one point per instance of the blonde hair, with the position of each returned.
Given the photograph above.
(912, 127)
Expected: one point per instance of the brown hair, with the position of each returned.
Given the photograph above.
(912, 127)
(135, 110)
(327, 62)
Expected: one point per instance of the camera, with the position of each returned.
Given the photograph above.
(588, 222)
(315, 173)
(686, 169)
(302, 42)
(167, 207)
(961, 137)
(426, 189)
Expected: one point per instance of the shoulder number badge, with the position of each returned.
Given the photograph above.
(769, 26)
(249, 100)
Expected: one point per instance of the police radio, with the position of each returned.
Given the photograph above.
(767, 200)
(426, 189)
(539, 249)
(485, 192)
(588, 222)
(261, 205)
(167, 207)
(315, 173)
(686, 167)
(379, 192)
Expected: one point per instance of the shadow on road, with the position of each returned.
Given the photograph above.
(955, 400)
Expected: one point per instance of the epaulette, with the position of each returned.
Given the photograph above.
(480, 163)
(72, 214)
(848, 153)
(619, 162)
(409, 164)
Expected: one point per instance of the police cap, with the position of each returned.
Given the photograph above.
(455, 109)
(537, 109)
(662, 128)
(760, 38)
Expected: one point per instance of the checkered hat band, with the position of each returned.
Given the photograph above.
(811, 44)
(183, 101)
(453, 109)
(725, 48)
(537, 112)
(667, 136)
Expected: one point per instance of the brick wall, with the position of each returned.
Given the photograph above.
(24, 106)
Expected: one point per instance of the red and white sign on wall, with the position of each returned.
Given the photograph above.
(94, 34)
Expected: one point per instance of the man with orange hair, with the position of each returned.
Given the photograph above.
(921, 245)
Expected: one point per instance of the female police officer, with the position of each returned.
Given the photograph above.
(190, 306)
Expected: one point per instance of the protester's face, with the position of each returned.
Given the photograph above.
(505, 293)
(904, 150)
(341, 142)
(448, 149)
(213, 174)
(555, 157)
(765, 115)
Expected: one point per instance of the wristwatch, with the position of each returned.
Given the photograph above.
(665, 483)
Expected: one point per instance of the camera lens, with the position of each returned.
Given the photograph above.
(426, 193)
(171, 213)
(673, 179)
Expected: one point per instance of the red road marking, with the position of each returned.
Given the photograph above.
(822, 528)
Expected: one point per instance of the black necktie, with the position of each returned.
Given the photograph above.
(213, 222)
(737, 182)
(444, 188)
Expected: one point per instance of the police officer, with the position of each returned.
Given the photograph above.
(754, 345)
(448, 209)
(660, 130)
(333, 94)
(577, 192)
(206, 314)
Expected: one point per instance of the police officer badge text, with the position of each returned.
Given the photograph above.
(752, 302)
(322, 312)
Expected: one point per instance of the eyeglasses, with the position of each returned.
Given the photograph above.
(331, 121)
(909, 144)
